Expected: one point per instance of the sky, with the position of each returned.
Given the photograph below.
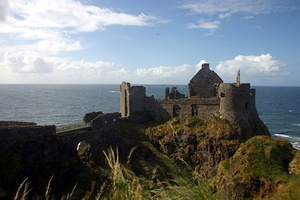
(149, 42)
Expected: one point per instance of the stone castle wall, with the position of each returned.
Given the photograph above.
(132, 99)
(105, 121)
(137, 97)
(198, 107)
(237, 103)
(124, 100)
(10, 135)
(208, 96)
(14, 123)
(90, 116)
(204, 84)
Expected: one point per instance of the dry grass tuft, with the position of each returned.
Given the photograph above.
(23, 190)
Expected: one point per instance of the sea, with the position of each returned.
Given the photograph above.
(278, 107)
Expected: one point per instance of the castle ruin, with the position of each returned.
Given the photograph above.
(208, 96)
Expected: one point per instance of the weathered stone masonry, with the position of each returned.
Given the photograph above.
(207, 96)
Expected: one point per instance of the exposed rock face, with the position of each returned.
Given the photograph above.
(201, 145)
(257, 168)
(294, 166)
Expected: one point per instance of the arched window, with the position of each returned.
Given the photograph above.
(222, 94)
(83, 152)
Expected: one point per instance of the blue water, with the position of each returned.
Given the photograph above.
(278, 107)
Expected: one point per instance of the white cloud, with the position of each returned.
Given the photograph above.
(26, 62)
(3, 10)
(248, 17)
(50, 24)
(224, 15)
(34, 67)
(166, 74)
(22, 66)
(54, 46)
(199, 65)
(226, 7)
(63, 14)
(35, 62)
(252, 67)
(211, 25)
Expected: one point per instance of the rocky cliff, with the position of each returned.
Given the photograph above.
(200, 144)
(259, 167)
(170, 158)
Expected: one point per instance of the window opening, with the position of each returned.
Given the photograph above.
(176, 111)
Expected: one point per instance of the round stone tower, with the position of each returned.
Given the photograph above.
(237, 103)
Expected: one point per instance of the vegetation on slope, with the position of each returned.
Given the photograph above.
(184, 158)
(258, 168)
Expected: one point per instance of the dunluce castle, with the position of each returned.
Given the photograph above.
(207, 96)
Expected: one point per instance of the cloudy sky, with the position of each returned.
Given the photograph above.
(148, 42)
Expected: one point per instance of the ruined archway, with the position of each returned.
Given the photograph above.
(84, 152)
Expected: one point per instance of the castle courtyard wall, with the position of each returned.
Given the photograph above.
(198, 107)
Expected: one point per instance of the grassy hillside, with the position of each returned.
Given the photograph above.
(183, 158)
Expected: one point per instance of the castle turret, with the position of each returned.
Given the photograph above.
(237, 103)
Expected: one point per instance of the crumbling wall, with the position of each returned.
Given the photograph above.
(198, 107)
(105, 121)
(173, 93)
(137, 97)
(90, 116)
(124, 99)
(155, 109)
(132, 99)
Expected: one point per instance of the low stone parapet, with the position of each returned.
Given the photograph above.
(15, 123)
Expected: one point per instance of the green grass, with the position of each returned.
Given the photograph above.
(163, 178)
(266, 157)
(125, 185)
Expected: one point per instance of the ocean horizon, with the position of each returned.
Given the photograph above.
(59, 104)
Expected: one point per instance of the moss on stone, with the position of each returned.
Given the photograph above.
(256, 169)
